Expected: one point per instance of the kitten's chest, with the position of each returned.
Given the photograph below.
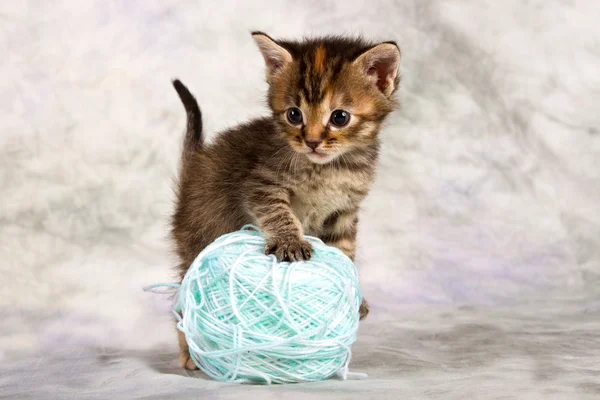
(319, 196)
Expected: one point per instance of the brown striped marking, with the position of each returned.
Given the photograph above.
(320, 55)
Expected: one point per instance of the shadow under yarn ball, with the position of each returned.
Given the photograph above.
(248, 318)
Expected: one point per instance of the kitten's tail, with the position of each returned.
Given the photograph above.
(193, 136)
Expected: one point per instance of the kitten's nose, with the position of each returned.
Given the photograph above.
(312, 145)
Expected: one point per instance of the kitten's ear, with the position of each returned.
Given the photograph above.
(380, 65)
(276, 57)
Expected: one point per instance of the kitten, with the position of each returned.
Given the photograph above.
(303, 170)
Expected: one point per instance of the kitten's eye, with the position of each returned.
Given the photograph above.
(340, 118)
(294, 115)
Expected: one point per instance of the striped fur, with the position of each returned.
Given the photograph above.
(262, 173)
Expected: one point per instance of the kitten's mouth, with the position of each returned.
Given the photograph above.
(318, 154)
(318, 157)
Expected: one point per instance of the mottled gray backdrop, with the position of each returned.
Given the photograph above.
(480, 243)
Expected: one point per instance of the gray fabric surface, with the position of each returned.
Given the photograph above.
(479, 247)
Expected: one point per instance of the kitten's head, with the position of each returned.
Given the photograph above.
(329, 95)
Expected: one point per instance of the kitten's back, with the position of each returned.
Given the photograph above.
(209, 193)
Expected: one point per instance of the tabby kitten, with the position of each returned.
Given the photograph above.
(303, 170)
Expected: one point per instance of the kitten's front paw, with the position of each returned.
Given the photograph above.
(289, 248)
(363, 310)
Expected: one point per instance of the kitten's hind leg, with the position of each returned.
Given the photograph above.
(185, 360)
(363, 310)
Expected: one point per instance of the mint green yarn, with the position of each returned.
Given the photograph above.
(248, 318)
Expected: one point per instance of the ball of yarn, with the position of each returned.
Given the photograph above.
(249, 318)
